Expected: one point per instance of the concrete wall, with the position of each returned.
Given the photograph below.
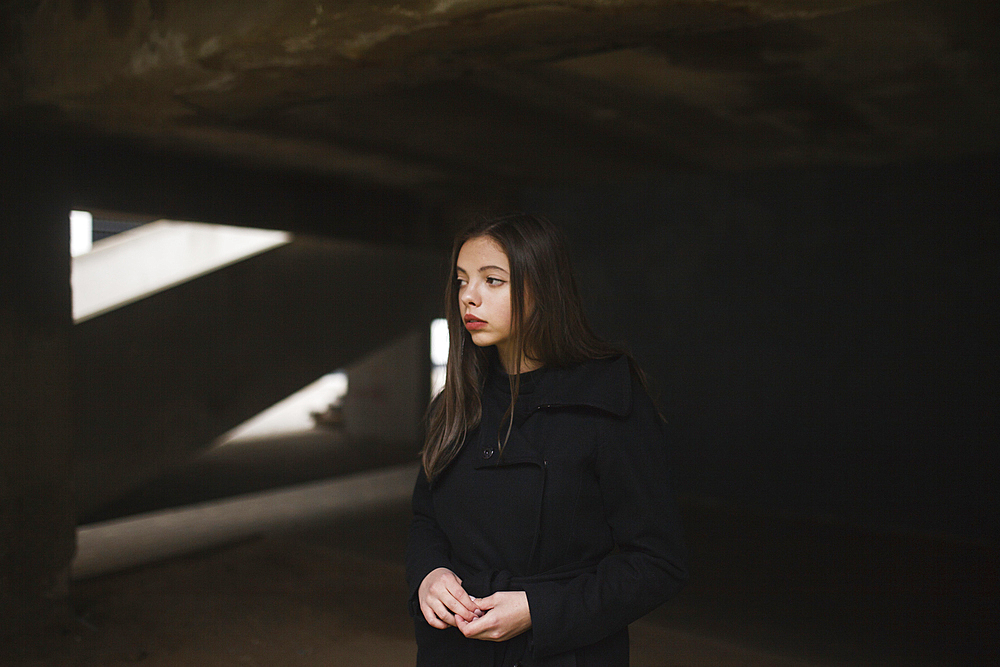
(158, 380)
(824, 341)
(388, 392)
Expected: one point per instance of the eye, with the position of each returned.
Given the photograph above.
(494, 281)
(461, 281)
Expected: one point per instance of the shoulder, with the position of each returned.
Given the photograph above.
(602, 384)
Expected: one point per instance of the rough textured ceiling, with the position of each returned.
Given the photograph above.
(440, 95)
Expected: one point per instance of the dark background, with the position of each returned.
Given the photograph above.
(823, 340)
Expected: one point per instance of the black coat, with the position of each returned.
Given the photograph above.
(577, 511)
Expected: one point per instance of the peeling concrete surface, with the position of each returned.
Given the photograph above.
(472, 91)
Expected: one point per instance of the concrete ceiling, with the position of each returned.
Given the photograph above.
(444, 95)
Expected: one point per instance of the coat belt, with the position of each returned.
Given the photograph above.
(487, 582)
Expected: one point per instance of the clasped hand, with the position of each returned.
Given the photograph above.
(444, 603)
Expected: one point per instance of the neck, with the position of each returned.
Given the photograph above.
(508, 359)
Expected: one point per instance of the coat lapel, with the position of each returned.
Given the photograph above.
(517, 450)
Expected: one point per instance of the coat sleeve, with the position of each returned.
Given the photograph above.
(647, 566)
(428, 547)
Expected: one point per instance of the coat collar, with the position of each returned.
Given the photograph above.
(603, 384)
(600, 384)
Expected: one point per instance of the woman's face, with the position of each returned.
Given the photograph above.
(483, 274)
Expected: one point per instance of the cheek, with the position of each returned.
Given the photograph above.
(506, 312)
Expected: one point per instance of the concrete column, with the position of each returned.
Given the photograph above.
(37, 523)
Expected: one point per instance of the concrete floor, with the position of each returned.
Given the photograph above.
(311, 574)
(327, 594)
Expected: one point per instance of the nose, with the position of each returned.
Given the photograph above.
(470, 296)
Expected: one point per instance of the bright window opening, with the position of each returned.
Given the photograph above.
(137, 263)
(81, 232)
(439, 354)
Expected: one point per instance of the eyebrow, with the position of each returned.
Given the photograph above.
(484, 268)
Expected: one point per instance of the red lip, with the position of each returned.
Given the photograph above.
(472, 322)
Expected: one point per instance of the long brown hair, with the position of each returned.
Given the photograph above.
(553, 332)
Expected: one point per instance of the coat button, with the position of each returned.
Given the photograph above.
(488, 452)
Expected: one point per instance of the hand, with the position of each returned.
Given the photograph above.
(506, 615)
(443, 601)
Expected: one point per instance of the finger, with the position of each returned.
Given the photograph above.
(459, 609)
(431, 618)
(464, 606)
(487, 603)
(472, 628)
(459, 593)
(441, 610)
(482, 628)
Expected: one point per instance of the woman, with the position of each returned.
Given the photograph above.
(544, 521)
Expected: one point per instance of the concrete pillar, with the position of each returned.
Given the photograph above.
(37, 523)
(387, 392)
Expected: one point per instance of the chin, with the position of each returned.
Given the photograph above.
(483, 340)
